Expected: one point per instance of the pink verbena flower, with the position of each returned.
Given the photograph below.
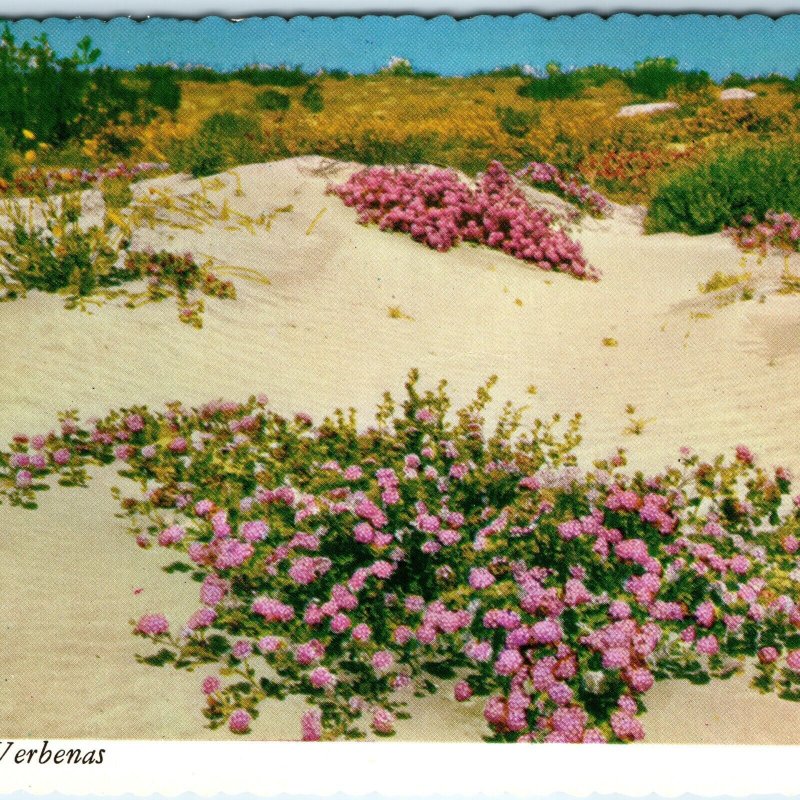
(239, 721)
(152, 624)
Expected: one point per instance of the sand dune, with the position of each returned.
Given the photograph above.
(320, 336)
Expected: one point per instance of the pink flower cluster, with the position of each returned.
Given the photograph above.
(436, 207)
(777, 231)
(550, 177)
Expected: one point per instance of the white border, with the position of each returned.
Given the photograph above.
(415, 770)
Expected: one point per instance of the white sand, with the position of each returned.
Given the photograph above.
(320, 337)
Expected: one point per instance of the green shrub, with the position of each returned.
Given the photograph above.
(58, 257)
(270, 100)
(223, 141)
(162, 89)
(312, 99)
(372, 149)
(557, 85)
(736, 81)
(6, 156)
(514, 122)
(722, 190)
(269, 76)
(654, 77)
(58, 98)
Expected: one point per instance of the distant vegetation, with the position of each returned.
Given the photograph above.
(270, 100)
(58, 98)
(65, 112)
(651, 79)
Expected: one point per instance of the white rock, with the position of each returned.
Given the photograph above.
(736, 94)
(645, 108)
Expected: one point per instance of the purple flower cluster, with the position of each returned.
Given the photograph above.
(777, 231)
(551, 178)
(437, 208)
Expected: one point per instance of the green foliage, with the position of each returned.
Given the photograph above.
(162, 90)
(312, 99)
(270, 100)
(736, 81)
(371, 149)
(46, 248)
(514, 122)
(255, 76)
(58, 98)
(338, 74)
(6, 153)
(557, 85)
(653, 78)
(222, 141)
(725, 188)
(560, 85)
(269, 76)
(57, 257)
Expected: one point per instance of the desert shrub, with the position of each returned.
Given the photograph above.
(437, 208)
(46, 248)
(58, 97)
(356, 567)
(727, 187)
(162, 89)
(515, 122)
(653, 78)
(557, 85)
(223, 141)
(270, 100)
(312, 98)
(57, 255)
(269, 76)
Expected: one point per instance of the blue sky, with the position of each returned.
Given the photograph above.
(751, 45)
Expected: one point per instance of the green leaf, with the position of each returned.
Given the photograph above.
(439, 669)
(218, 645)
(160, 659)
(177, 566)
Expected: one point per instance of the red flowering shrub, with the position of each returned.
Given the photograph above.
(633, 173)
(439, 209)
(355, 567)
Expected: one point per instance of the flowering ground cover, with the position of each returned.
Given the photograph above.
(427, 552)
(39, 181)
(777, 231)
(570, 187)
(439, 209)
(91, 264)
